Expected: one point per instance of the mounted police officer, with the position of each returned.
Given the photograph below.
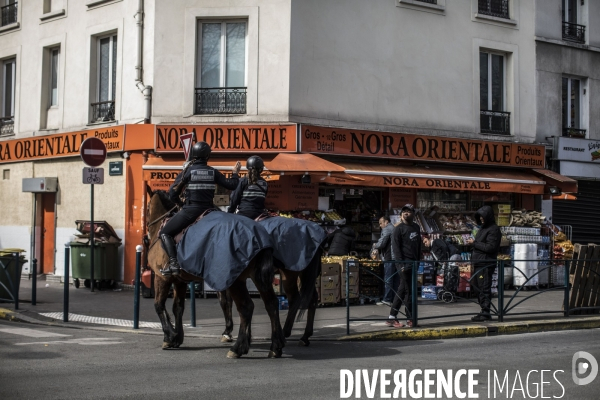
(248, 199)
(199, 182)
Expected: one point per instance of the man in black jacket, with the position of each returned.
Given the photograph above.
(199, 182)
(485, 253)
(406, 246)
(340, 241)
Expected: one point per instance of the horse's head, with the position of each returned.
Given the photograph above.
(159, 204)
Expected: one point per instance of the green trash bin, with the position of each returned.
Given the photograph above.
(106, 263)
(7, 276)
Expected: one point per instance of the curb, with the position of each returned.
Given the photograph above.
(465, 331)
(10, 315)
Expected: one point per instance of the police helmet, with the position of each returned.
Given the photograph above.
(255, 162)
(200, 151)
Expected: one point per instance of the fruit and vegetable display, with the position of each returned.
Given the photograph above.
(331, 217)
(533, 219)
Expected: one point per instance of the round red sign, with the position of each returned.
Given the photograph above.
(93, 152)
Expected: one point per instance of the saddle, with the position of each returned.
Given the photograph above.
(264, 216)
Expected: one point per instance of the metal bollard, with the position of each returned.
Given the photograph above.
(501, 291)
(193, 304)
(66, 287)
(136, 293)
(567, 287)
(347, 289)
(415, 301)
(34, 282)
(16, 281)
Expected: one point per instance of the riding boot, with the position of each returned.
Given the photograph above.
(170, 248)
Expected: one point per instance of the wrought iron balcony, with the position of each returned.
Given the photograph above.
(495, 8)
(7, 125)
(9, 14)
(496, 122)
(573, 32)
(230, 100)
(574, 133)
(103, 111)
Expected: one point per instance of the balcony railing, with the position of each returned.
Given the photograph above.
(9, 14)
(231, 100)
(573, 32)
(574, 133)
(428, 1)
(495, 8)
(496, 122)
(103, 111)
(7, 126)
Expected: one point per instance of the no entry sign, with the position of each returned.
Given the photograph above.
(93, 152)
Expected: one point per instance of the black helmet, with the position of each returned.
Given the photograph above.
(200, 151)
(255, 162)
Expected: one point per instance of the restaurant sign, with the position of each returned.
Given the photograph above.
(59, 145)
(264, 138)
(315, 139)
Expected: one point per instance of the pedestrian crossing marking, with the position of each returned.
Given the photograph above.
(104, 321)
(80, 341)
(31, 332)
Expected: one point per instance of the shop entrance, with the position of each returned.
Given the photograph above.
(45, 232)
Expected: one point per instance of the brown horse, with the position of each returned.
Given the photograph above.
(296, 299)
(260, 270)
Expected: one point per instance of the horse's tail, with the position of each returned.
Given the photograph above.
(264, 271)
(308, 279)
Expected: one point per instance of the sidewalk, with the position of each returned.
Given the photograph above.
(113, 310)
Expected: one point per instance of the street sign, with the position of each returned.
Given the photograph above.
(115, 168)
(93, 152)
(186, 143)
(93, 176)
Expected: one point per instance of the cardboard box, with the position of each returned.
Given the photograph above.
(332, 269)
(353, 266)
(439, 280)
(463, 283)
(352, 281)
(465, 267)
(330, 282)
(330, 296)
(221, 200)
(353, 291)
(429, 292)
(419, 280)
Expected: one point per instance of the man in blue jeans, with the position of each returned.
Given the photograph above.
(384, 246)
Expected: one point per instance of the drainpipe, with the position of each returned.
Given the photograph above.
(139, 70)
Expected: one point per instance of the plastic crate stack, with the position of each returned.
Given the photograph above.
(526, 266)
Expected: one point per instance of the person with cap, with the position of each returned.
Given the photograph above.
(384, 247)
(485, 252)
(198, 182)
(406, 247)
(248, 199)
(341, 241)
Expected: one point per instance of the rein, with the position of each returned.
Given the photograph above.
(155, 221)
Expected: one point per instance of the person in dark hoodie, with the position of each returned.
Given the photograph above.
(485, 252)
(341, 241)
(406, 246)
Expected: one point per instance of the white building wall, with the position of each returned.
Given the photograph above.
(394, 66)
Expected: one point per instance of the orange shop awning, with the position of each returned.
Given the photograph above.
(434, 177)
(564, 196)
(157, 168)
(564, 183)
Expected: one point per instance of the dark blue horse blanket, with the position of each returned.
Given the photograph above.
(296, 241)
(220, 247)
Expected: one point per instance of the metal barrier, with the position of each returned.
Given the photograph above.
(546, 276)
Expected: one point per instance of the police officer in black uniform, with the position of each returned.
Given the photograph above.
(248, 199)
(199, 182)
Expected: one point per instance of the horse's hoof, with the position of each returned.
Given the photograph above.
(303, 342)
(226, 339)
(231, 354)
(167, 345)
(275, 354)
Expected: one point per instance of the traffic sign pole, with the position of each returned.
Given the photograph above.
(93, 153)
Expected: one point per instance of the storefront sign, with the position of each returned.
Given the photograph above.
(582, 150)
(445, 184)
(579, 169)
(59, 145)
(229, 138)
(323, 140)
